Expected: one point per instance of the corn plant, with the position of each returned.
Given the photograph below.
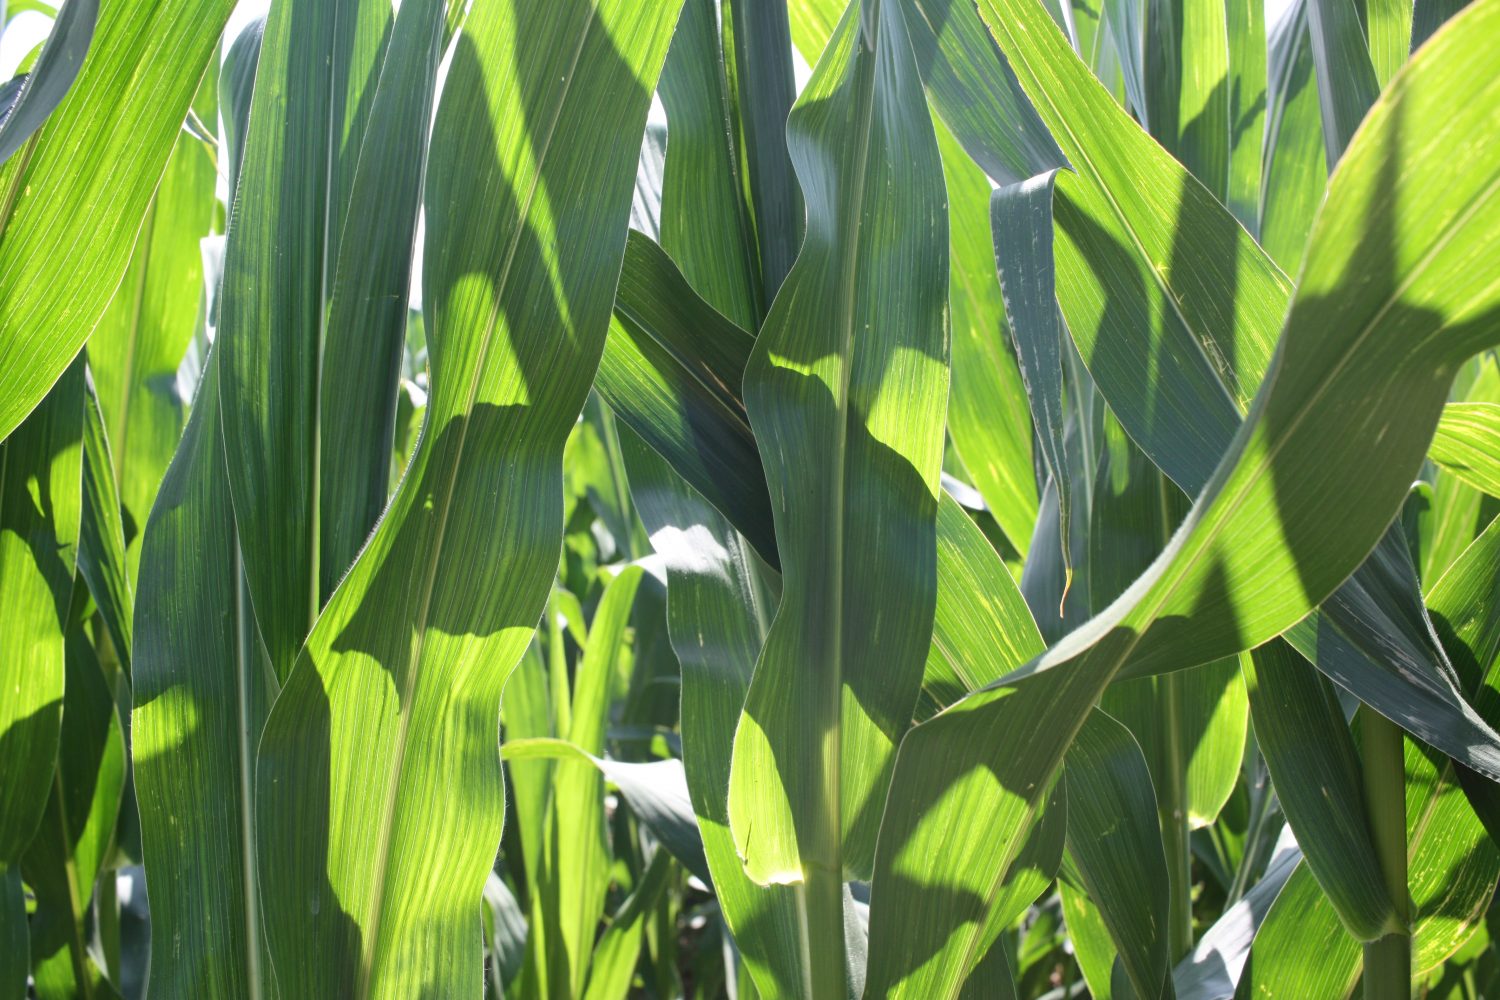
(783, 498)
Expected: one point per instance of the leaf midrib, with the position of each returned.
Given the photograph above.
(441, 515)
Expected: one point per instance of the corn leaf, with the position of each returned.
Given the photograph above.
(1458, 511)
(846, 389)
(720, 596)
(717, 614)
(1116, 846)
(1337, 390)
(1218, 960)
(988, 415)
(569, 896)
(1301, 949)
(15, 936)
(69, 232)
(620, 946)
(203, 686)
(702, 169)
(1210, 348)
(307, 125)
(1205, 72)
(1347, 85)
(101, 540)
(142, 337)
(40, 508)
(367, 308)
(1295, 171)
(77, 831)
(1021, 220)
(764, 91)
(1191, 724)
(671, 371)
(383, 736)
(981, 628)
(49, 79)
(1467, 444)
(1300, 728)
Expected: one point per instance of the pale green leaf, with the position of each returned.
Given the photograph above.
(69, 232)
(1467, 444)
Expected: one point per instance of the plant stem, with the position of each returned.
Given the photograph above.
(823, 908)
(1174, 822)
(1387, 973)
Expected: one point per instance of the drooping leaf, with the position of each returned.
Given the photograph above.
(1021, 219)
(387, 721)
(49, 79)
(1344, 383)
(69, 232)
(957, 59)
(656, 791)
(670, 371)
(1149, 257)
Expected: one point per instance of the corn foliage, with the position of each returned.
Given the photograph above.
(787, 498)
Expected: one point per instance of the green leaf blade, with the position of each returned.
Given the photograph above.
(401, 677)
